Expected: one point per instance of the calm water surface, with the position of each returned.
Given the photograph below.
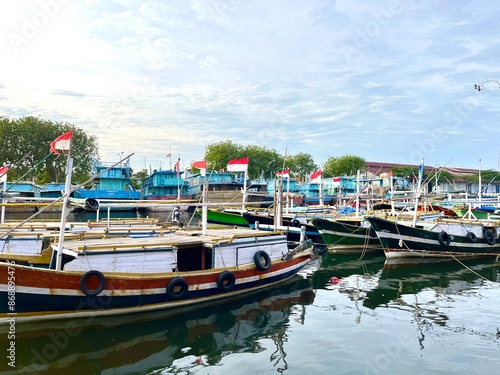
(378, 318)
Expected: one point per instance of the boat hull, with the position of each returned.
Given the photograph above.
(340, 236)
(444, 240)
(45, 294)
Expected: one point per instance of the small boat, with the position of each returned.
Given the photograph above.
(117, 276)
(348, 235)
(444, 238)
(226, 217)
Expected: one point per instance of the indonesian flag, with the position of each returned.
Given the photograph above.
(237, 165)
(284, 174)
(3, 173)
(201, 165)
(177, 166)
(63, 142)
(316, 176)
(365, 188)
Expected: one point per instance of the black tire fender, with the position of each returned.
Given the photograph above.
(226, 281)
(92, 292)
(444, 238)
(177, 288)
(471, 237)
(258, 259)
(489, 237)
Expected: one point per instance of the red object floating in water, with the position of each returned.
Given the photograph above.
(335, 280)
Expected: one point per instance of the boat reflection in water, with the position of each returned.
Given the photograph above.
(448, 277)
(182, 341)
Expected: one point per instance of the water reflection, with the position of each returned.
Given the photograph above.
(177, 343)
(446, 277)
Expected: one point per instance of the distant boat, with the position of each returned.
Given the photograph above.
(445, 238)
(113, 184)
(227, 187)
(165, 186)
(118, 276)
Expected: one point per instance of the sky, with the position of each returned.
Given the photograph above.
(389, 81)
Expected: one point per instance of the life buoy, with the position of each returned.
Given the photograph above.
(177, 288)
(444, 238)
(262, 260)
(471, 237)
(296, 223)
(226, 281)
(489, 237)
(100, 287)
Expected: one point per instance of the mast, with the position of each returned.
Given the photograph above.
(418, 192)
(64, 214)
(480, 187)
(244, 189)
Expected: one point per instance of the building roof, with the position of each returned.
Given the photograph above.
(377, 168)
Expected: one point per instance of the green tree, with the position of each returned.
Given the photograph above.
(25, 142)
(217, 155)
(262, 162)
(343, 165)
(138, 178)
(301, 165)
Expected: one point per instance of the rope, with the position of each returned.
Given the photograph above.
(471, 270)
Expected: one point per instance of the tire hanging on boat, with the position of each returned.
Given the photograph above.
(471, 237)
(489, 236)
(444, 238)
(177, 288)
(258, 259)
(100, 287)
(226, 281)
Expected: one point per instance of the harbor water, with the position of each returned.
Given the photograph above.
(344, 314)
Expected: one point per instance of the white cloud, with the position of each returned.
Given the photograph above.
(326, 78)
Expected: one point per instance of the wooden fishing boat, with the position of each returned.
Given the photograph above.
(151, 341)
(444, 238)
(348, 235)
(125, 275)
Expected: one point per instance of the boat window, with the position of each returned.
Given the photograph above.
(194, 259)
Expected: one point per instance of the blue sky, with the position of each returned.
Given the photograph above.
(390, 81)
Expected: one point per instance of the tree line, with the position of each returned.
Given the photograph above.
(25, 142)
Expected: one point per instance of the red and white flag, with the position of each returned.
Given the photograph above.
(284, 174)
(201, 165)
(237, 165)
(3, 173)
(177, 166)
(63, 142)
(316, 176)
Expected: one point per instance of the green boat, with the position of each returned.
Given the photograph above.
(224, 217)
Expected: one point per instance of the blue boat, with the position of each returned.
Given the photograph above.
(114, 184)
(164, 185)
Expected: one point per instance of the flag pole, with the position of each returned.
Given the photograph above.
(64, 214)
(244, 189)
(4, 198)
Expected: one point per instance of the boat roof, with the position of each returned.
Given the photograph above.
(180, 238)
